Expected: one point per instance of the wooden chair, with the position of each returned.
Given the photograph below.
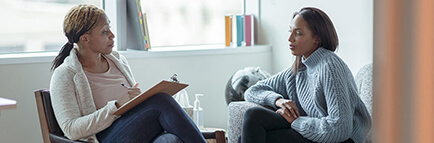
(51, 131)
(214, 136)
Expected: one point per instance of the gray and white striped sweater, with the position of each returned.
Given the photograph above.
(325, 94)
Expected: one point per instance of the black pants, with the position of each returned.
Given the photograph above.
(263, 125)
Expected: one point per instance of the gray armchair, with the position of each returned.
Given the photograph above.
(236, 110)
(236, 115)
(364, 86)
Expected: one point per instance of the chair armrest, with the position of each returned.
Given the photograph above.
(61, 139)
(236, 112)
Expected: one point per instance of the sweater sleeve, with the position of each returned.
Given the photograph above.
(266, 92)
(66, 108)
(337, 125)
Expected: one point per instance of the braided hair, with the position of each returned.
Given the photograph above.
(78, 21)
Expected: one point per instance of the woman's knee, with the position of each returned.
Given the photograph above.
(160, 98)
(254, 112)
(163, 100)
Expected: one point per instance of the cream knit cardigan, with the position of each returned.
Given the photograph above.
(72, 99)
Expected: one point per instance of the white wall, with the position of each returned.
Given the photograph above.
(206, 74)
(353, 20)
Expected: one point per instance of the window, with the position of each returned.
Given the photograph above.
(34, 25)
(188, 22)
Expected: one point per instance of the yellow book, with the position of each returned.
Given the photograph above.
(228, 30)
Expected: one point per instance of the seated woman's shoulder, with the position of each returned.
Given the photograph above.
(334, 62)
(333, 58)
(115, 54)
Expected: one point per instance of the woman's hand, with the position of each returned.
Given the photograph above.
(134, 91)
(131, 93)
(288, 109)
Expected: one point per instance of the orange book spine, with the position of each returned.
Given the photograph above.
(228, 30)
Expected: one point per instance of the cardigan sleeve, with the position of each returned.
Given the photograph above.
(266, 92)
(337, 125)
(69, 112)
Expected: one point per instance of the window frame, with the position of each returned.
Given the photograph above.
(47, 57)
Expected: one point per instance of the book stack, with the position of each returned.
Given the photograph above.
(239, 30)
(137, 27)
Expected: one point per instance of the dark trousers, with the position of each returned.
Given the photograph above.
(263, 125)
(159, 113)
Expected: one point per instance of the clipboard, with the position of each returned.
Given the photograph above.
(163, 86)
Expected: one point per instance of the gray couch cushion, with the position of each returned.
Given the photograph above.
(364, 86)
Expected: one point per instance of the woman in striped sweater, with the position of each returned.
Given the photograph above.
(316, 99)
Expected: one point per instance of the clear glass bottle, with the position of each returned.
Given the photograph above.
(198, 112)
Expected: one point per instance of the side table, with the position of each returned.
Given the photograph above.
(214, 135)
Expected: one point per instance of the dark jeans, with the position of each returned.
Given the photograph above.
(159, 113)
(263, 125)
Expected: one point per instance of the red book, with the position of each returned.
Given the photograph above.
(249, 30)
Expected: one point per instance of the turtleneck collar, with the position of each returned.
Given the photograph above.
(315, 57)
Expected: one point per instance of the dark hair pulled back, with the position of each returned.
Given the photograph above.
(321, 25)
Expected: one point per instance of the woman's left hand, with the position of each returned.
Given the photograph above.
(288, 104)
(287, 112)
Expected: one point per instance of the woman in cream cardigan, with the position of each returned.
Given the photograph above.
(86, 89)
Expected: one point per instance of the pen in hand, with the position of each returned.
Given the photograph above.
(125, 86)
(132, 91)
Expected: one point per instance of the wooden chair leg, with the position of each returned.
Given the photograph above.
(220, 137)
(214, 135)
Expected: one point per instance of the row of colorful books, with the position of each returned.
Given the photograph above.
(239, 30)
(137, 27)
(145, 32)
